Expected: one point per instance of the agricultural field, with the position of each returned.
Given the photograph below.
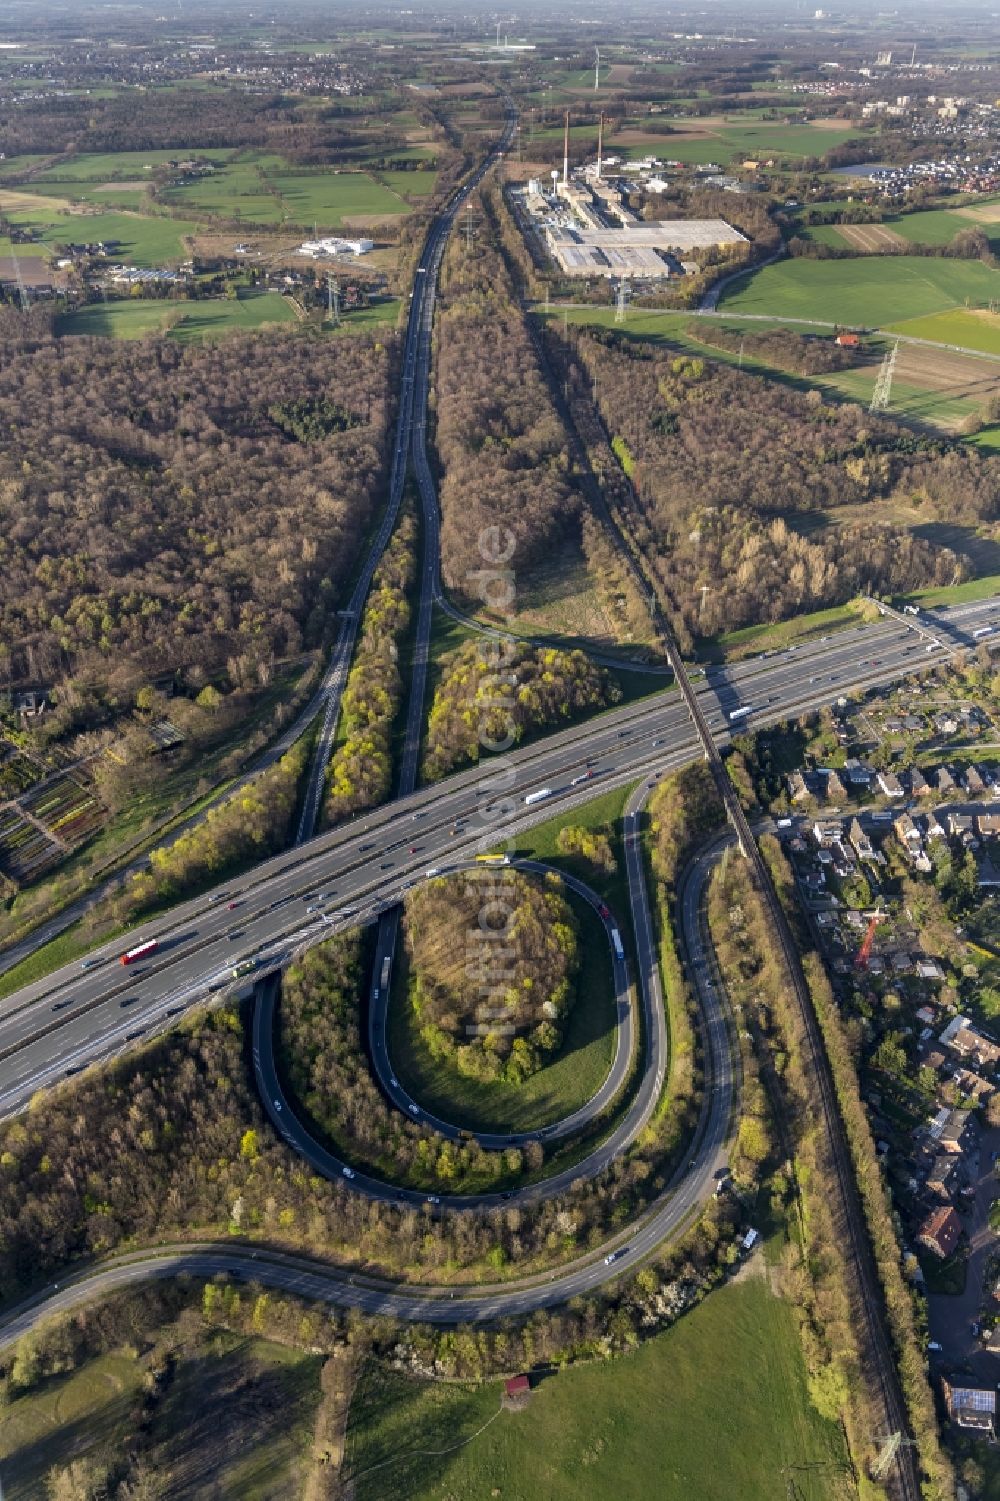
(934, 389)
(937, 226)
(185, 321)
(263, 189)
(45, 822)
(118, 165)
(876, 292)
(970, 329)
(716, 139)
(141, 240)
(713, 1408)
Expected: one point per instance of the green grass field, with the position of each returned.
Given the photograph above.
(417, 183)
(921, 405)
(198, 320)
(879, 291)
(108, 165)
(237, 1421)
(574, 1075)
(82, 1415)
(142, 241)
(738, 141)
(712, 1409)
(969, 330)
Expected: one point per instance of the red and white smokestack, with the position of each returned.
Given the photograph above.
(566, 152)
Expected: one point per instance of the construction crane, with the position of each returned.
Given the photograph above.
(865, 951)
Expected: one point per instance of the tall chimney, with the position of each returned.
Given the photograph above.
(566, 152)
(600, 146)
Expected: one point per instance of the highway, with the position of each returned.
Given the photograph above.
(75, 1015)
(281, 1110)
(693, 1181)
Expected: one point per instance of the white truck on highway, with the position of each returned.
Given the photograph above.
(536, 797)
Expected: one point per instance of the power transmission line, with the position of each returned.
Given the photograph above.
(883, 383)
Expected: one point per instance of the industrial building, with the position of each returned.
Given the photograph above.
(634, 249)
(586, 226)
(334, 245)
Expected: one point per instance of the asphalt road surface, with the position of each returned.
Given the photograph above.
(78, 1015)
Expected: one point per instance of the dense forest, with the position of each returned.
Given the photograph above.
(753, 502)
(805, 354)
(491, 693)
(495, 1010)
(500, 442)
(360, 772)
(183, 510)
(186, 119)
(324, 1059)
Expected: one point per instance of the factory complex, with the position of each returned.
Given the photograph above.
(588, 230)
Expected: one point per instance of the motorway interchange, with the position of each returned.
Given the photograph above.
(74, 1016)
(87, 1012)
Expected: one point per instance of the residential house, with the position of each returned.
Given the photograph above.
(889, 784)
(987, 825)
(942, 1176)
(960, 826)
(917, 783)
(940, 1232)
(969, 1044)
(929, 969)
(863, 847)
(834, 790)
(798, 789)
(973, 1407)
(972, 1086)
(933, 828)
(943, 781)
(857, 773)
(973, 782)
(954, 1135)
(908, 834)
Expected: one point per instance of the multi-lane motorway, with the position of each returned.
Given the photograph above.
(77, 1015)
(693, 1181)
(89, 1011)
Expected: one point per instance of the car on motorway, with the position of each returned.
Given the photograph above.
(133, 1036)
(413, 849)
(277, 1104)
(348, 1172)
(613, 1256)
(413, 1109)
(364, 847)
(604, 911)
(584, 776)
(393, 1081)
(433, 1199)
(231, 906)
(311, 909)
(89, 964)
(386, 865)
(127, 1000)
